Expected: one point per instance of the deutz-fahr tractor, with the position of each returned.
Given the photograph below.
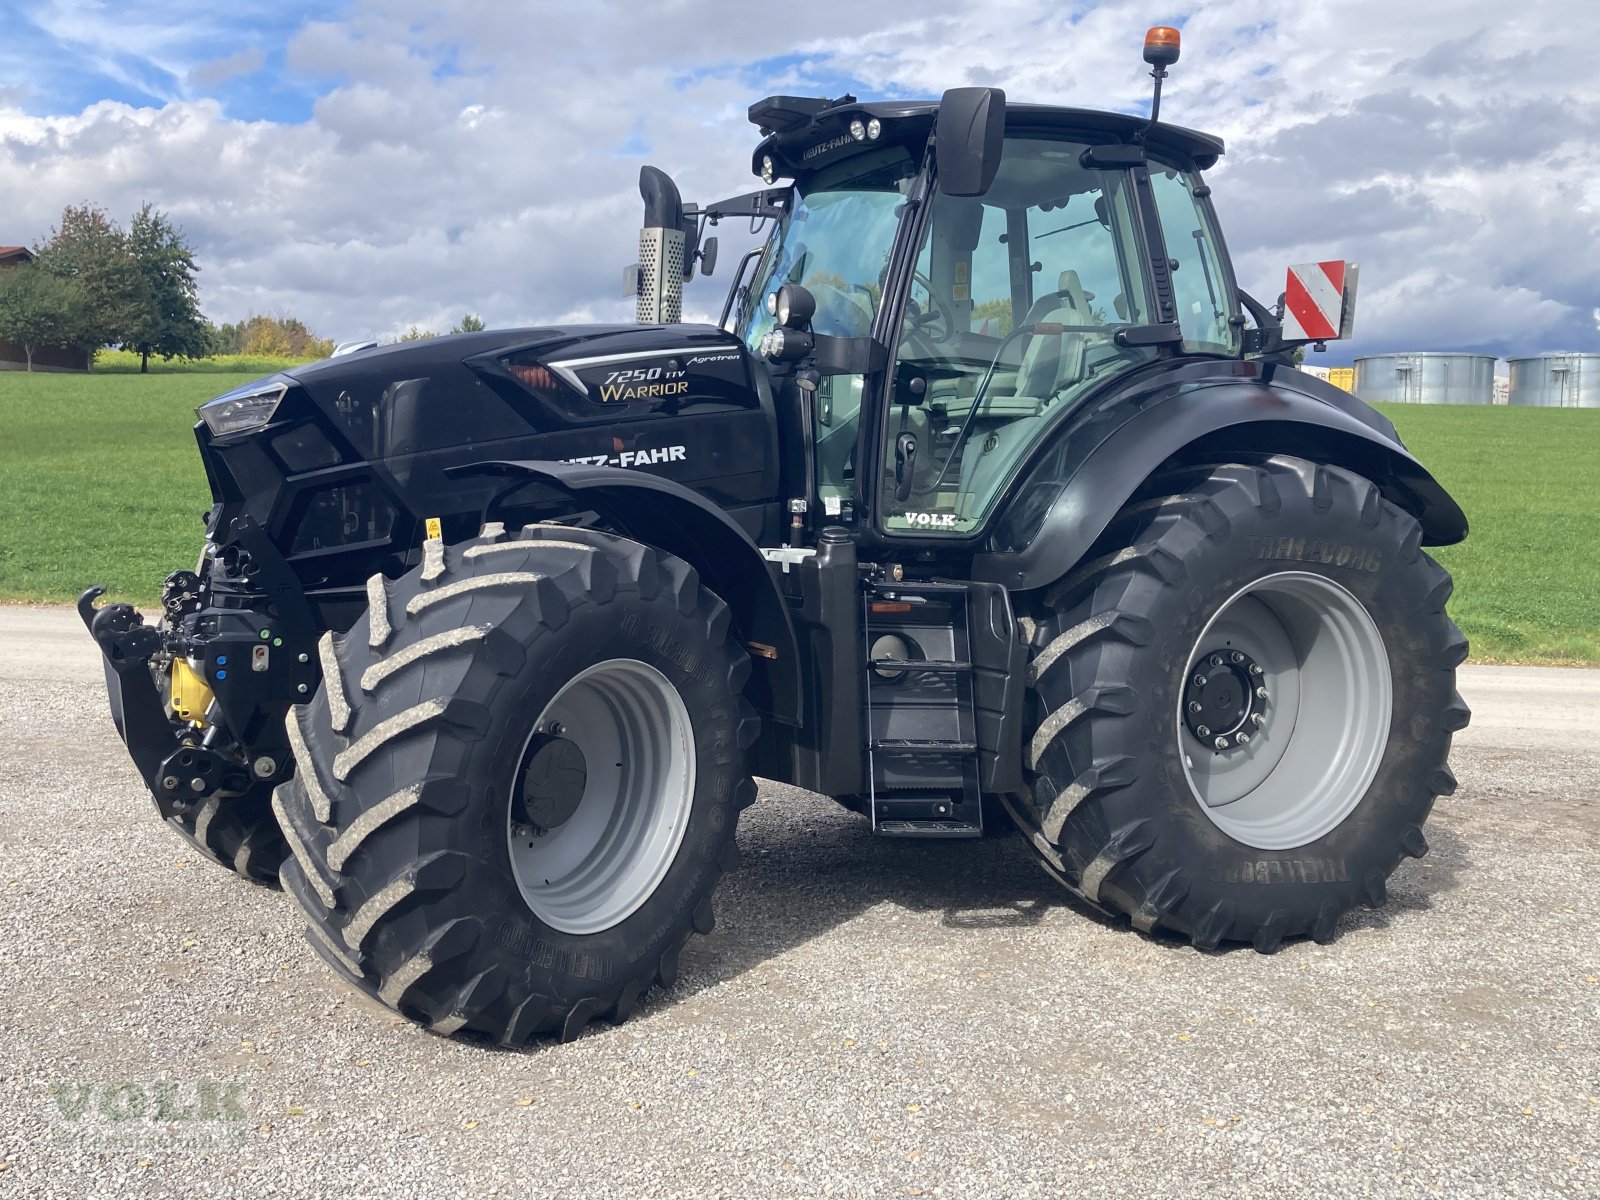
(991, 500)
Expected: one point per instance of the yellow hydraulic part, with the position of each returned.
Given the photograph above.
(191, 694)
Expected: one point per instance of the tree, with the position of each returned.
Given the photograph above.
(38, 309)
(90, 251)
(470, 323)
(993, 317)
(417, 335)
(164, 313)
(269, 337)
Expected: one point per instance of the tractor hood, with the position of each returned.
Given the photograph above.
(472, 389)
(342, 463)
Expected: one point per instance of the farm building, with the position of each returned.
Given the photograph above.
(12, 357)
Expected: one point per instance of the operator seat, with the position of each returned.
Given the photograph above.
(1051, 361)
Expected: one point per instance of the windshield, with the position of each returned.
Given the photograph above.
(836, 243)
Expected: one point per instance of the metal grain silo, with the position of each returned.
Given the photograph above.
(1426, 378)
(1556, 381)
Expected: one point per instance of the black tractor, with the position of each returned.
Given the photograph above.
(991, 501)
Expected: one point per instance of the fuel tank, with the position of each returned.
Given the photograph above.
(351, 466)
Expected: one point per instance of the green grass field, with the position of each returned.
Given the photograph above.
(1527, 578)
(99, 482)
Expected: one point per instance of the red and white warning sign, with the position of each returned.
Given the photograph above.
(1319, 303)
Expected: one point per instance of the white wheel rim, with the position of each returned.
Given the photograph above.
(1325, 718)
(602, 864)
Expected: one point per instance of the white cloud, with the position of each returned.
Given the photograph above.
(475, 158)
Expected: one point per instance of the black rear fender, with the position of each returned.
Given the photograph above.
(673, 518)
(1094, 464)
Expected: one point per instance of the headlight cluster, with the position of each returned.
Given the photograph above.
(786, 345)
(247, 407)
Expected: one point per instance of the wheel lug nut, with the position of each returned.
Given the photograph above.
(1195, 706)
(1261, 693)
(1203, 730)
(1257, 720)
(1255, 668)
(1221, 743)
(1199, 681)
(1238, 657)
(1217, 660)
(1244, 739)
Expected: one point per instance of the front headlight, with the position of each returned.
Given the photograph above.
(247, 407)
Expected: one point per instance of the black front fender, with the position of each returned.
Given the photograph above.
(659, 512)
(1075, 488)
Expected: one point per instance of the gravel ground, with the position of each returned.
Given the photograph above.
(871, 1018)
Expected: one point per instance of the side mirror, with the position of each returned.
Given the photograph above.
(708, 256)
(971, 134)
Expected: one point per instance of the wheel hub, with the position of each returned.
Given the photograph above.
(553, 781)
(1225, 700)
(1287, 758)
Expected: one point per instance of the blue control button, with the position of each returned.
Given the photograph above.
(222, 674)
(222, 660)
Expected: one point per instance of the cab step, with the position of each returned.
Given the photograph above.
(898, 827)
(924, 816)
(922, 733)
(933, 745)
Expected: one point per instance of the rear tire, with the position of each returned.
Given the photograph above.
(1307, 568)
(463, 855)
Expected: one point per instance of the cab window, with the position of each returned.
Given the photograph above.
(836, 242)
(1199, 284)
(1014, 309)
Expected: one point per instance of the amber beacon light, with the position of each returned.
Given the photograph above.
(1161, 45)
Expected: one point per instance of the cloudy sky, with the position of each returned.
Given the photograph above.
(376, 163)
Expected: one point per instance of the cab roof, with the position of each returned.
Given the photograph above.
(802, 132)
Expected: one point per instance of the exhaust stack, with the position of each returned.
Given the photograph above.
(662, 250)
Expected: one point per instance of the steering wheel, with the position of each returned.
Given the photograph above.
(923, 322)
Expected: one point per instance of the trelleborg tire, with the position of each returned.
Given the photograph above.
(1280, 600)
(518, 786)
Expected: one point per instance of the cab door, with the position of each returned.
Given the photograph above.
(1015, 304)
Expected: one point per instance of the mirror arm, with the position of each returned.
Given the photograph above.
(848, 356)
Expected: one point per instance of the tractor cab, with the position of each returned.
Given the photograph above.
(1087, 254)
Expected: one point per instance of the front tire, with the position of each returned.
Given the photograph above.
(237, 832)
(1242, 706)
(518, 787)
